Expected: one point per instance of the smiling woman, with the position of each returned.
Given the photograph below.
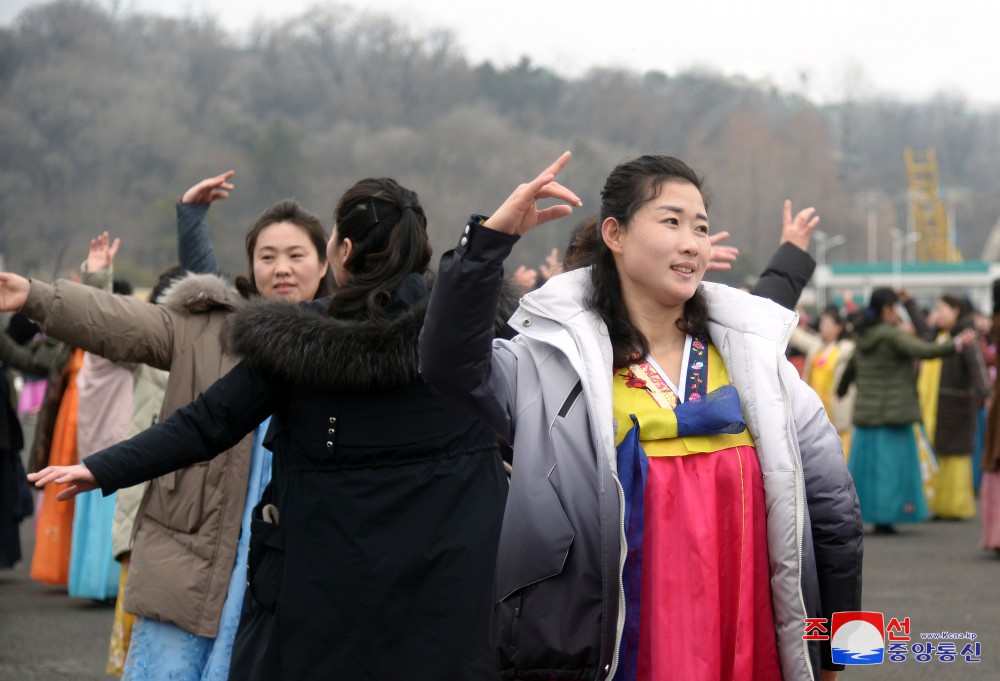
(286, 249)
(646, 410)
(191, 538)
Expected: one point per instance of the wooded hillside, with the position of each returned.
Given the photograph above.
(105, 120)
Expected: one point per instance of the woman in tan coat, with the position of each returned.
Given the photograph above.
(187, 533)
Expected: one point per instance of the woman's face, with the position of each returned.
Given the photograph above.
(663, 253)
(829, 329)
(945, 316)
(286, 265)
(890, 314)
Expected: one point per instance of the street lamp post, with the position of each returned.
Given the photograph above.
(824, 242)
(898, 242)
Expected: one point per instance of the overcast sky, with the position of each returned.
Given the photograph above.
(911, 49)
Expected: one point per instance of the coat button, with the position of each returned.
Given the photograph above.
(466, 229)
(464, 240)
(526, 322)
(333, 419)
(332, 431)
(329, 445)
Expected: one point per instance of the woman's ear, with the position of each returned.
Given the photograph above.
(345, 250)
(612, 233)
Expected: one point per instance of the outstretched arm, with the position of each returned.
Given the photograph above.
(119, 328)
(35, 359)
(909, 346)
(218, 419)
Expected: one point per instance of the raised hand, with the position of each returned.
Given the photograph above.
(524, 278)
(13, 291)
(520, 213)
(78, 477)
(966, 338)
(721, 257)
(102, 252)
(552, 265)
(798, 231)
(210, 189)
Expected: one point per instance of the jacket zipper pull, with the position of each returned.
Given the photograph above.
(515, 621)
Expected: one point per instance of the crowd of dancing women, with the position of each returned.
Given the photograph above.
(348, 463)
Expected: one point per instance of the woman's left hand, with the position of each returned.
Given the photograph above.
(520, 214)
(721, 257)
(78, 477)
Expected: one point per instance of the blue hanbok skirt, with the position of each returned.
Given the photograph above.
(165, 652)
(93, 571)
(885, 465)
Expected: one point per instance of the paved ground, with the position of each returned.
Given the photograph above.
(933, 573)
(44, 634)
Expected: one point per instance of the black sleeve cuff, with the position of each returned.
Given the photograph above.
(99, 472)
(482, 244)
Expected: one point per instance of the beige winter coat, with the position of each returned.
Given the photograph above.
(148, 386)
(841, 409)
(189, 521)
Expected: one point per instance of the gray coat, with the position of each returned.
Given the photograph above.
(558, 605)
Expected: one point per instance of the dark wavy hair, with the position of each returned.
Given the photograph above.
(582, 247)
(388, 228)
(289, 211)
(881, 298)
(628, 188)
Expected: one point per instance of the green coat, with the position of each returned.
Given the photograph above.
(884, 367)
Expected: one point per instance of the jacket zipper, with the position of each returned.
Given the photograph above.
(799, 492)
(622, 546)
(515, 622)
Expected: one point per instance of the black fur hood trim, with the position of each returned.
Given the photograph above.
(301, 345)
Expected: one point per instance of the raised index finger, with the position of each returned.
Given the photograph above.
(551, 172)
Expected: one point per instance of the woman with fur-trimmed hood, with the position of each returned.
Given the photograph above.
(187, 572)
(372, 552)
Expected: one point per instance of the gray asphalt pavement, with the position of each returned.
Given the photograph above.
(933, 573)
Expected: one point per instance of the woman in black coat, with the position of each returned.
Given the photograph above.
(372, 552)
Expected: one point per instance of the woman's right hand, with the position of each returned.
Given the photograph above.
(102, 252)
(520, 214)
(78, 477)
(210, 189)
(965, 339)
(13, 291)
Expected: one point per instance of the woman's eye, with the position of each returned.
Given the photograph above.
(703, 229)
